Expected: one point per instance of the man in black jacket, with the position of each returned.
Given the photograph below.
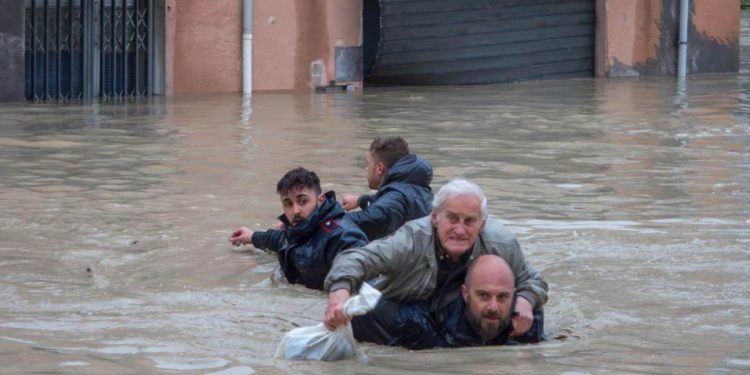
(480, 315)
(403, 183)
(313, 231)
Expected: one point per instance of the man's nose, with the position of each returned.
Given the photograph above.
(492, 305)
(459, 228)
(297, 209)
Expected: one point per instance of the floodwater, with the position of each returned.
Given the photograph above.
(631, 196)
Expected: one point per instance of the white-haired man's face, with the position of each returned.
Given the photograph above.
(458, 223)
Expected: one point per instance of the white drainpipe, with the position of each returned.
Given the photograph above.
(682, 52)
(247, 47)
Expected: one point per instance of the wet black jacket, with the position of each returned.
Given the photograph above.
(413, 326)
(458, 331)
(440, 321)
(306, 251)
(404, 195)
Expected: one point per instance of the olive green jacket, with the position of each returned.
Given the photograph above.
(406, 266)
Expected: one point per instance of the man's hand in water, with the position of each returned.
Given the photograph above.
(350, 201)
(525, 317)
(241, 236)
(334, 316)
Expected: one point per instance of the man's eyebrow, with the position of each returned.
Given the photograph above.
(449, 211)
(503, 293)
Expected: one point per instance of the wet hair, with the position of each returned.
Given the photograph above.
(298, 178)
(388, 150)
(459, 186)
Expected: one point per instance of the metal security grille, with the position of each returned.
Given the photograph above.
(428, 42)
(124, 46)
(88, 48)
(54, 50)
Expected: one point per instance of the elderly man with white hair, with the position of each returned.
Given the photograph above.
(428, 257)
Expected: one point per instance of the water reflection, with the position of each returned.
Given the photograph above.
(632, 196)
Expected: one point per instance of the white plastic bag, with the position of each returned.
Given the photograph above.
(318, 343)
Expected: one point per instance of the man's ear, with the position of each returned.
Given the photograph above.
(322, 197)
(464, 292)
(380, 168)
(433, 218)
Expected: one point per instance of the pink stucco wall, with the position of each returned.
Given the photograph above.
(633, 30)
(275, 35)
(640, 36)
(204, 43)
(344, 28)
(290, 36)
(718, 19)
(206, 46)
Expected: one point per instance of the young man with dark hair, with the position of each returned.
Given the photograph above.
(313, 231)
(403, 183)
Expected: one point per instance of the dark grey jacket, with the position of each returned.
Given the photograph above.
(405, 195)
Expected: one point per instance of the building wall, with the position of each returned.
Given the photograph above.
(11, 50)
(634, 37)
(204, 53)
(715, 35)
(639, 37)
(294, 41)
(344, 28)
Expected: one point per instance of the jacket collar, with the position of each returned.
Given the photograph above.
(455, 318)
(329, 209)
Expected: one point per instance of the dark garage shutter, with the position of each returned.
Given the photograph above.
(430, 42)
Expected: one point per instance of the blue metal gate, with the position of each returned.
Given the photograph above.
(88, 48)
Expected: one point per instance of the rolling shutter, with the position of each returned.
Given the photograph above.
(424, 42)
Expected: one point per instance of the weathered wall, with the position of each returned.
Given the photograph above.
(639, 37)
(294, 41)
(205, 53)
(344, 28)
(715, 36)
(11, 50)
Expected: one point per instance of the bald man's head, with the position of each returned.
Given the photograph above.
(488, 292)
(488, 267)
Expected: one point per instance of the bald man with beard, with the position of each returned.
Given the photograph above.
(481, 315)
(428, 257)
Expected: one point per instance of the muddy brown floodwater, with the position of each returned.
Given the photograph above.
(631, 196)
